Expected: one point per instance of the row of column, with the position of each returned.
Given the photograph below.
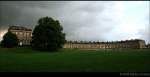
(103, 46)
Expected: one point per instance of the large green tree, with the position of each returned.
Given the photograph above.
(9, 40)
(48, 35)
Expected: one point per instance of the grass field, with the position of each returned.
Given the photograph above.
(74, 60)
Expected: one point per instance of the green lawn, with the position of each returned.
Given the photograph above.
(74, 60)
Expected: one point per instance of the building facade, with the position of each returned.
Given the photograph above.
(137, 43)
(23, 34)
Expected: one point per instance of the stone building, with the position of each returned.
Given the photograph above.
(23, 34)
(137, 43)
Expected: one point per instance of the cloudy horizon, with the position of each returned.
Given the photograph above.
(83, 20)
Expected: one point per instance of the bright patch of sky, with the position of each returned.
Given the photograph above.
(133, 16)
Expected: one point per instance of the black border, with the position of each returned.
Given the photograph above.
(74, 74)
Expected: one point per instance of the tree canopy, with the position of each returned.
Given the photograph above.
(48, 35)
(9, 40)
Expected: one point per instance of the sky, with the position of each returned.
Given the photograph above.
(82, 20)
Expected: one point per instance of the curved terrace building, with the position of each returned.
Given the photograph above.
(25, 36)
(136, 43)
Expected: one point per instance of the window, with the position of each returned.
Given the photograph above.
(24, 34)
(27, 34)
(16, 33)
(20, 33)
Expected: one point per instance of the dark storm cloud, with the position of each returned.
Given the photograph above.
(73, 15)
(24, 13)
(81, 20)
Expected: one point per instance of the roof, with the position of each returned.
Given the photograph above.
(112, 42)
(19, 28)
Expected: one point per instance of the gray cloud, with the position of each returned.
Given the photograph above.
(81, 20)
